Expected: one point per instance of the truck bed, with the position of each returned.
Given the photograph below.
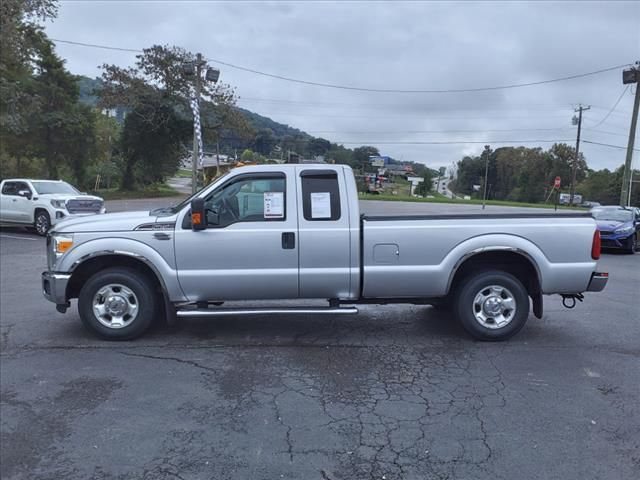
(415, 255)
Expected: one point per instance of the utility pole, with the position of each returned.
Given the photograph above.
(487, 149)
(189, 69)
(631, 75)
(574, 167)
(194, 153)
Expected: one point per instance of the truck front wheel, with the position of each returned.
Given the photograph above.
(492, 305)
(41, 222)
(117, 304)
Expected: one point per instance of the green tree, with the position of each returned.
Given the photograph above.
(340, 154)
(470, 173)
(158, 127)
(63, 132)
(21, 40)
(106, 158)
(319, 146)
(604, 186)
(264, 141)
(247, 156)
(361, 157)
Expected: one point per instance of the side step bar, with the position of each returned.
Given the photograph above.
(219, 312)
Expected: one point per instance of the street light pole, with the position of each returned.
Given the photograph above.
(487, 149)
(194, 153)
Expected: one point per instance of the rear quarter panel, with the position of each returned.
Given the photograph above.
(429, 251)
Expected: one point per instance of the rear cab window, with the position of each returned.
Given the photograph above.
(320, 195)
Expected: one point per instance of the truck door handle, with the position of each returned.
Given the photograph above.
(288, 240)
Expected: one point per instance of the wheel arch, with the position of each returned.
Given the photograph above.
(40, 208)
(83, 269)
(512, 260)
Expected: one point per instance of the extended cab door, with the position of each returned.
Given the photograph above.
(249, 249)
(16, 207)
(327, 255)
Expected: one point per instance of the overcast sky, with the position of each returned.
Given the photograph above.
(405, 46)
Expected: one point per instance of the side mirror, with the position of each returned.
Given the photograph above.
(25, 194)
(198, 219)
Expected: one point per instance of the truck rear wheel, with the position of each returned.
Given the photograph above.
(492, 305)
(117, 304)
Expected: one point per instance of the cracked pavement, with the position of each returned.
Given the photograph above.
(397, 392)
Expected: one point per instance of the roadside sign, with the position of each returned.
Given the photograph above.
(556, 182)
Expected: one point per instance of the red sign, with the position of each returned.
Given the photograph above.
(556, 182)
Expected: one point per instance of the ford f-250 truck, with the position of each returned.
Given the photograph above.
(295, 232)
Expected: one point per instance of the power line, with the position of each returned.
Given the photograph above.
(364, 89)
(604, 119)
(452, 142)
(425, 116)
(609, 145)
(605, 132)
(409, 132)
(537, 107)
(93, 45)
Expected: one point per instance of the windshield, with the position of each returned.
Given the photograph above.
(614, 215)
(172, 209)
(44, 188)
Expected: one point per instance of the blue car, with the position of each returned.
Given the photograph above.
(619, 227)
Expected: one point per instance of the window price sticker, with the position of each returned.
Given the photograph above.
(273, 204)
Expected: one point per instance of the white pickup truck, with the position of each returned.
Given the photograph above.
(294, 232)
(43, 203)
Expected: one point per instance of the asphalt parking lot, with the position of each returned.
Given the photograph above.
(396, 392)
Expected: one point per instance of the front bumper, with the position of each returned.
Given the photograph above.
(598, 281)
(54, 287)
(615, 240)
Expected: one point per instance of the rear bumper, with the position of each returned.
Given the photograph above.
(54, 287)
(598, 281)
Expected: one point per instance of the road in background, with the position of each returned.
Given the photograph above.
(397, 392)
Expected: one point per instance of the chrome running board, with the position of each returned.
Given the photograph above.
(218, 312)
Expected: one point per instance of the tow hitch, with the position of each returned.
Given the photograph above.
(569, 299)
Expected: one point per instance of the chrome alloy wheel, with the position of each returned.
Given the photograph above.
(115, 306)
(494, 307)
(42, 224)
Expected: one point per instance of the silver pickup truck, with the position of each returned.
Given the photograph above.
(294, 232)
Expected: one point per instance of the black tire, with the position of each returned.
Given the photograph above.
(632, 245)
(145, 299)
(465, 309)
(41, 222)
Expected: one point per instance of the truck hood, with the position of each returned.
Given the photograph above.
(109, 222)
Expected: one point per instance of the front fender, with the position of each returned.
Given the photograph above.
(167, 275)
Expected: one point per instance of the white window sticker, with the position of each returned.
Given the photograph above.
(321, 205)
(273, 204)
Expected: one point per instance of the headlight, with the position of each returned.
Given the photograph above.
(62, 244)
(623, 231)
(59, 203)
